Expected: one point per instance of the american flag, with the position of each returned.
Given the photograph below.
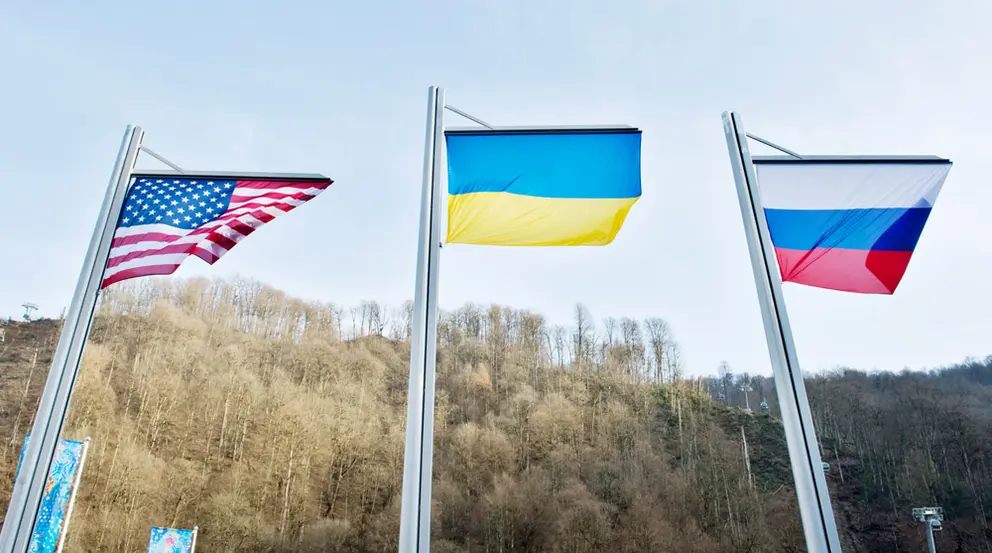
(165, 220)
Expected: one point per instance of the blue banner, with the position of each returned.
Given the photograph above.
(170, 540)
(51, 520)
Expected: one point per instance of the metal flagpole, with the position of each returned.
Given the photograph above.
(807, 469)
(192, 546)
(72, 495)
(25, 501)
(418, 455)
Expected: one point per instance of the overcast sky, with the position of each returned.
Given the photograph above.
(340, 88)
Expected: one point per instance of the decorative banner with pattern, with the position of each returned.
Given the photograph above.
(171, 540)
(52, 516)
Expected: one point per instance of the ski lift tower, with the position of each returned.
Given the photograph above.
(932, 517)
(746, 387)
(28, 308)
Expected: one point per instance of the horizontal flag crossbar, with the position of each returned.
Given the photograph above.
(225, 175)
(564, 129)
(812, 160)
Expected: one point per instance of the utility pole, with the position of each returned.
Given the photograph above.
(932, 518)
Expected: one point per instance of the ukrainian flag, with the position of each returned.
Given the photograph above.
(541, 187)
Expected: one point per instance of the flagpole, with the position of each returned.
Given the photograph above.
(15, 536)
(72, 495)
(811, 485)
(418, 454)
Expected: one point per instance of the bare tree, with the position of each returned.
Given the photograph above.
(660, 342)
(583, 336)
(609, 325)
(407, 320)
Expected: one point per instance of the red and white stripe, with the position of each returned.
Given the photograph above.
(159, 249)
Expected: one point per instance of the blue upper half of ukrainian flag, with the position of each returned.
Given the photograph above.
(541, 187)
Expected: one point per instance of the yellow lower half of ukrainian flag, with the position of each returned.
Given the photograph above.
(502, 219)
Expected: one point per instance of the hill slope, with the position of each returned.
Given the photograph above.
(897, 441)
(233, 407)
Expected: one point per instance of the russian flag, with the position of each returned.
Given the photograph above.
(848, 224)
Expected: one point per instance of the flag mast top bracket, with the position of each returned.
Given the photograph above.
(773, 145)
(171, 165)
(565, 128)
(836, 159)
(470, 117)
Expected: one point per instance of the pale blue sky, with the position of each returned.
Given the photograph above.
(340, 88)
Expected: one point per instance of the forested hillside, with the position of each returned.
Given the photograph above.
(276, 425)
(897, 441)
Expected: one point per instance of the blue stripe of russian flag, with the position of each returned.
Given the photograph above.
(880, 229)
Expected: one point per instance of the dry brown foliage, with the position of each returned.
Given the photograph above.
(277, 425)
